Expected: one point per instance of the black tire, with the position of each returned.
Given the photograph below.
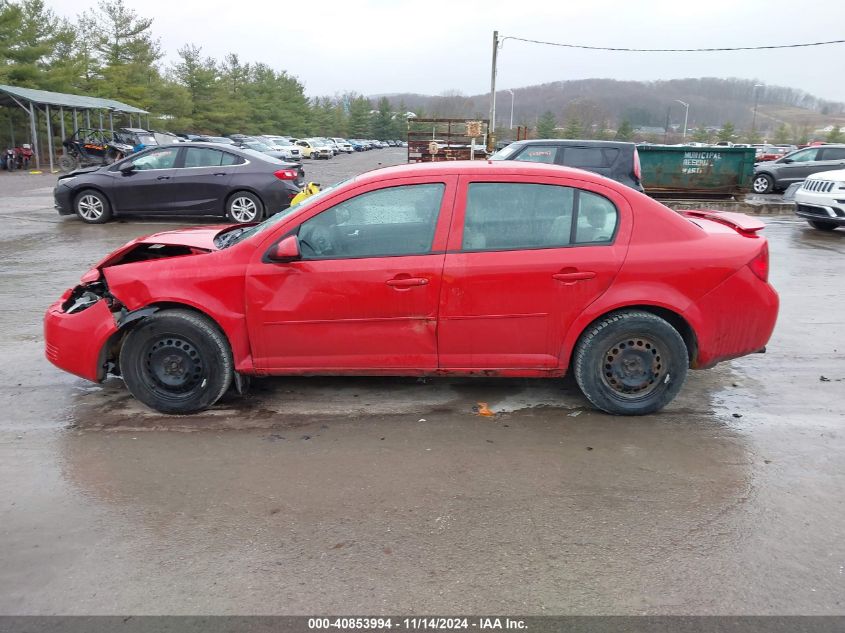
(176, 362)
(821, 225)
(67, 163)
(243, 207)
(92, 207)
(631, 363)
(763, 183)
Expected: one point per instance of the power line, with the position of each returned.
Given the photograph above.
(670, 50)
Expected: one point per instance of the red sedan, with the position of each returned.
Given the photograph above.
(465, 268)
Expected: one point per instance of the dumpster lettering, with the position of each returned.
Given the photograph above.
(698, 162)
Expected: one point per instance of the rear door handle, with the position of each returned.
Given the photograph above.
(406, 282)
(220, 173)
(571, 278)
(162, 177)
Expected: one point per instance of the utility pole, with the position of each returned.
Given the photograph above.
(756, 102)
(686, 116)
(491, 128)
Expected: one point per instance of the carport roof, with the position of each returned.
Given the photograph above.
(8, 94)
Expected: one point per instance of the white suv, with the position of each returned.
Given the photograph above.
(343, 144)
(821, 200)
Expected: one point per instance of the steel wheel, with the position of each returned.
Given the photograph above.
(172, 366)
(633, 367)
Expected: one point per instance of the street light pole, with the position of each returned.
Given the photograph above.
(512, 97)
(686, 116)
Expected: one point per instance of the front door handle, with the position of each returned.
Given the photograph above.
(406, 282)
(162, 177)
(220, 173)
(573, 277)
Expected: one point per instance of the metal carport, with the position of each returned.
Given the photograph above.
(34, 101)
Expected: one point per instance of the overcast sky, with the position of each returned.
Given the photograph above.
(430, 46)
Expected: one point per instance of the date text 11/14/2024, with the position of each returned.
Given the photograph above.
(416, 623)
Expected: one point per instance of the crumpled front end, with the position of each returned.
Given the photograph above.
(77, 328)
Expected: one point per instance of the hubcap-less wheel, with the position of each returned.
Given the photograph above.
(761, 184)
(172, 366)
(243, 209)
(633, 367)
(90, 207)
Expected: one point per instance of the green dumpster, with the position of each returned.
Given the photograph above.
(687, 171)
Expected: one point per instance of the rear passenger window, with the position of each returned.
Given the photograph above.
(231, 159)
(590, 157)
(507, 216)
(833, 153)
(515, 216)
(538, 154)
(202, 157)
(597, 219)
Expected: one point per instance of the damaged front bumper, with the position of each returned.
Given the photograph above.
(77, 329)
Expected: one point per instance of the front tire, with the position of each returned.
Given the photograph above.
(92, 207)
(631, 363)
(763, 183)
(67, 163)
(821, 225)
(244, 207)
(176, 362)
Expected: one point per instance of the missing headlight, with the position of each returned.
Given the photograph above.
(86, 295)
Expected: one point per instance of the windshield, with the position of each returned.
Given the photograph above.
(504, 153)
(239, 235)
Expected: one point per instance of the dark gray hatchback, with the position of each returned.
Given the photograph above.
(612, 159)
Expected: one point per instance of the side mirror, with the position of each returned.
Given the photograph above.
(786, 160)
(285, 251)
(126, 167)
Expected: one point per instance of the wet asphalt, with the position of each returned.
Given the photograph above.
(384, 495)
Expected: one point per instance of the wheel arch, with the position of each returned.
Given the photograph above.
(671, 316)
(110, 352)
(248, 189)
(86, 187)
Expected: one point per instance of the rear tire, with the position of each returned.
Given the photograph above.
(763, 183)
(92, 207)
(821, 225)
(176, 362)
(631, 363)
(243, 207)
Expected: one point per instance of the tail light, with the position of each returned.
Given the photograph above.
(760, 264)
(286, 174)
(637, 170)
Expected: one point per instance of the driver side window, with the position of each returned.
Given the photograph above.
(384, 223)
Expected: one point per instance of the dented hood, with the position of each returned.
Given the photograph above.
(198, 239)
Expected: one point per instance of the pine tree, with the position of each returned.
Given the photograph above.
(835, 135)
(573, 128)
(546, 125)
(727, 133)
(783, 134)
(625, 132)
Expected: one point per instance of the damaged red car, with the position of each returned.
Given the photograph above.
(463, 268)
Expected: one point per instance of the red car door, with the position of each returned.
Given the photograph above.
(364, 295)
(525, 256)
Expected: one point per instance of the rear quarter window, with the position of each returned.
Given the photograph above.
(590, 157)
